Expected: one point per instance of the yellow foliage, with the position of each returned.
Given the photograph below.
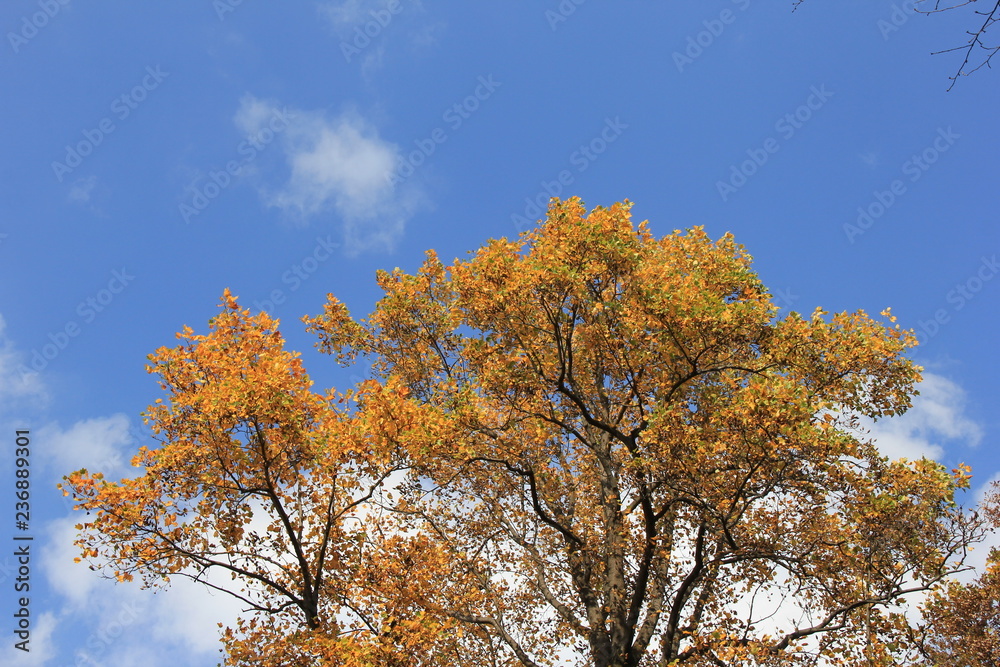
(585, 439)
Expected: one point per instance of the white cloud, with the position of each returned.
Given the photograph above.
(72, 580)
(427, 36)
(937, 416)
(119, 623)
(348, 13)
(338, 165)
(366, 27)
(870, 158)
(191, 611)
(41, 645)
(103, 444)
(984, 489)
(372, 61)
(343, 162)
(254, 114)
(361, 27)
(115, 622)
(17, 382)
(980, 552)
(81, 189)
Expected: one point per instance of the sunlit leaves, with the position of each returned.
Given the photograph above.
(265, 489)
(963, 620)
(646, 447)
(584, 441)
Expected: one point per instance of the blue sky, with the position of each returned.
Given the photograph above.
(156, 153)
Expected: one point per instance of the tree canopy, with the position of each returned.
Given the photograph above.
(587, 445)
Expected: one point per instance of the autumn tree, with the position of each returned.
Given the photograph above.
(584, 446)
(962, 620)
(272, 486)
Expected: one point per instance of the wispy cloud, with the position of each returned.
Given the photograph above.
(365, 29)
(937, 416)
(72, 580)
(79, 192)
(346, 14)
(123, 621)
(41, 644)
(337, 164)
(980, 552)
(103, 444)
(17, 384)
